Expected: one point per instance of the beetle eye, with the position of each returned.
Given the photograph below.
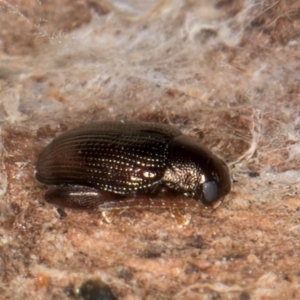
(210, 191)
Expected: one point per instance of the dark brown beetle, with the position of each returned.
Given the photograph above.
(110, 161)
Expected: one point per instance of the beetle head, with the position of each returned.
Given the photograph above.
(196, 172)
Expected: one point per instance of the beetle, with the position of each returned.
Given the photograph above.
(107, 162)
